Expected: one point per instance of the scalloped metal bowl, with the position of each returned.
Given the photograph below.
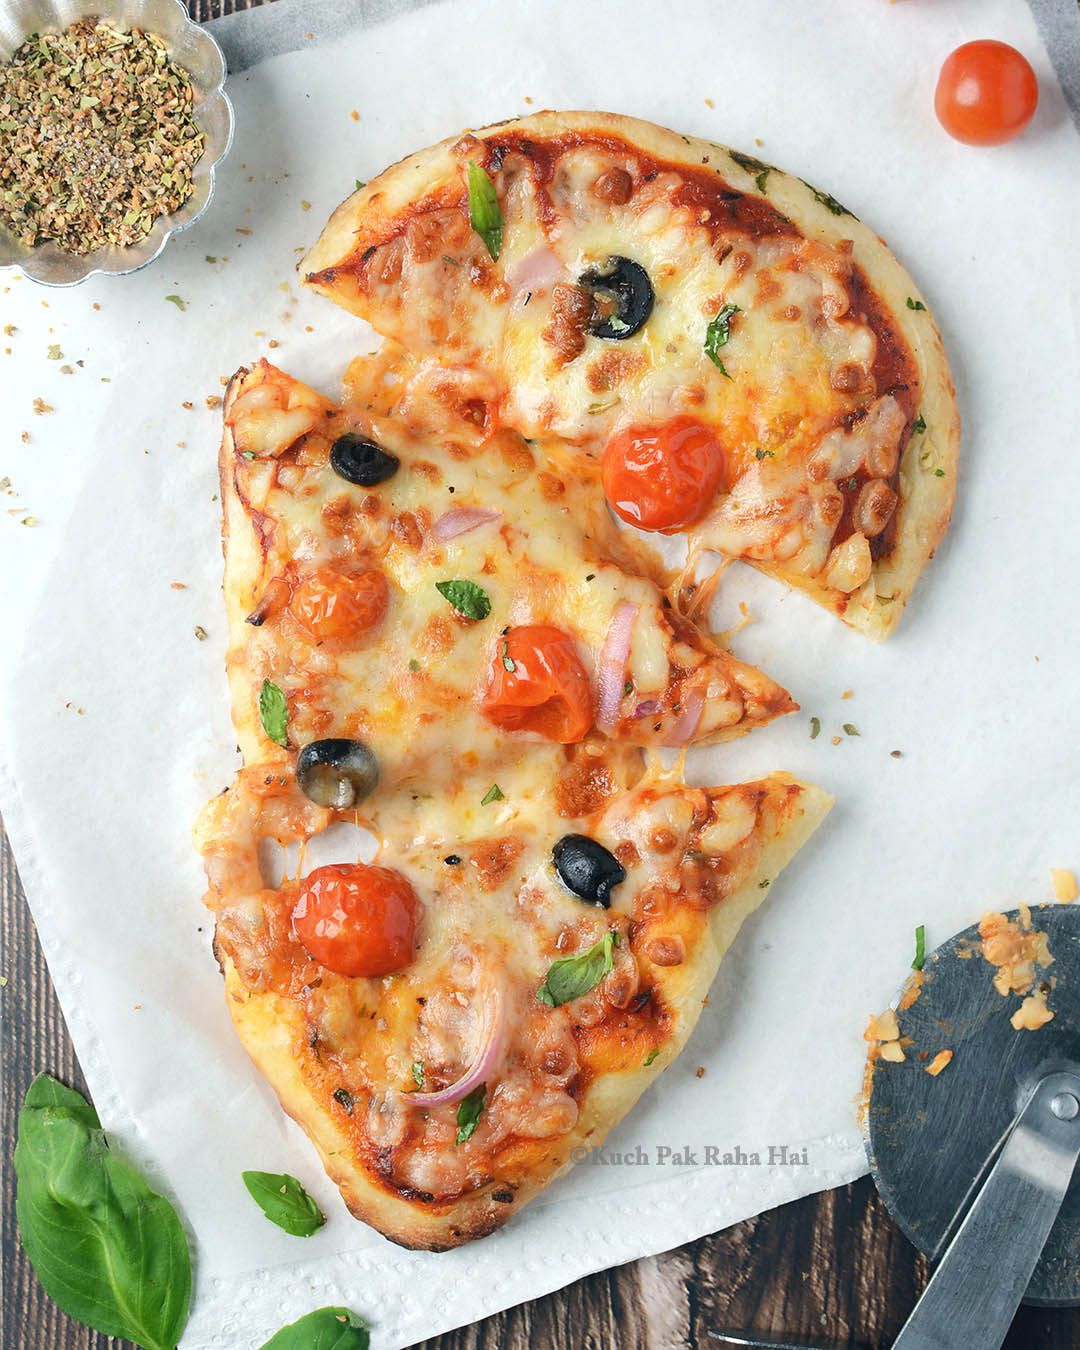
(195, 50)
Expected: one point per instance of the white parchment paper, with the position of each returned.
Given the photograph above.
(114, 722)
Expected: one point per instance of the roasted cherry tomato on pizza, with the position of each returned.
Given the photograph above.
(356, 919)
(538, 684)
(662, 477)
(986, 93)
(332, 604)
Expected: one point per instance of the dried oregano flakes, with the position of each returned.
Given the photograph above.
(96, 137)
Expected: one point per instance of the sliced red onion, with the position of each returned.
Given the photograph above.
(462, 519)
(647, 709)
(692, 706)
(611, 669)
(493, 1044)
(535, 272)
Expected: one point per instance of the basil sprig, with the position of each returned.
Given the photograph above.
(105, 1247)
(273, 711)
(485, 216)
(571, 976)
(324, 1329)
(468, 1113)
(467, 598)
(717, 334)
(285, 1202)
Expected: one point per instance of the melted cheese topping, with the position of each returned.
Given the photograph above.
(820, 392)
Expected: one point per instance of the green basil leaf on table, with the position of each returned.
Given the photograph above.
(285, 1202)
(107, 1249)
(324, 1329)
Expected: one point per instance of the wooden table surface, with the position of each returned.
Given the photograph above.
(833, 1266)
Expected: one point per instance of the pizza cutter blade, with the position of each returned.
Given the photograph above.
(976, 1164)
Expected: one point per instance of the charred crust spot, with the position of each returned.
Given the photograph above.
(564, 332)
(503, 1197)
(494, 860)
(627, 853)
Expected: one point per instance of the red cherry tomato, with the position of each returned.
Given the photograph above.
(331, 604)
(538, 684)
(986, 93)
(662, 477)
(356, 919)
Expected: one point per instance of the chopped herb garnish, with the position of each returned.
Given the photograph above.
(507, 659)
(915, 304)
(920, 948)
(764, 885)
(175, 299)
(466, 597)
(414, 665)
(493, 794)
(717, 334)
(360, 182)
(628, 687)
(468, 1113)
(919, 424)
(650, 1056)
(571, 976)
(850, 729)
(210, 258)
(829, 202)
(485, 217)
(764, 454)
(344, 1099)
(748, 162)
(418, 1072)
(247, 454)
(200, 632)
(815, 728)
(273, 711)
(55, 354)
(939, 473)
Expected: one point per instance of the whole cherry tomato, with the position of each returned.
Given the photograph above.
(538, 684)
(986, 93)
(662, 477)
(340, 605)
(356, 919)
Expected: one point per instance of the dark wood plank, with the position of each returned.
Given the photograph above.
(832, 1265)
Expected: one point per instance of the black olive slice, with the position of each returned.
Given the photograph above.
(587, 868)
(360, 461)
(627, 295)
(337, 772)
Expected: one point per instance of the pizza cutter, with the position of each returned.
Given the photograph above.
(976, 1164)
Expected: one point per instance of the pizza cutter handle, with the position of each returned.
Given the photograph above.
(978, 1285)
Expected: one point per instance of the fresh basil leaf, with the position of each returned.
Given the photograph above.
(467, 598)
(484, 214)
(493, 794)
(717, 334)
(468, 1113)
(285, 1202)
(324, 1329)
(571, 976)
(106, 1248)
(273, 711)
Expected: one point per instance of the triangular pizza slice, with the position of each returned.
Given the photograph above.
(410, 597)
(454, 1023)
(748, 361)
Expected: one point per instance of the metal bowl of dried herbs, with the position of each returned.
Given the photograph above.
(113, 118)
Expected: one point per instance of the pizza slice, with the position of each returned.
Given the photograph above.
(742, 358)
(410, 596)
(452, 1023)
